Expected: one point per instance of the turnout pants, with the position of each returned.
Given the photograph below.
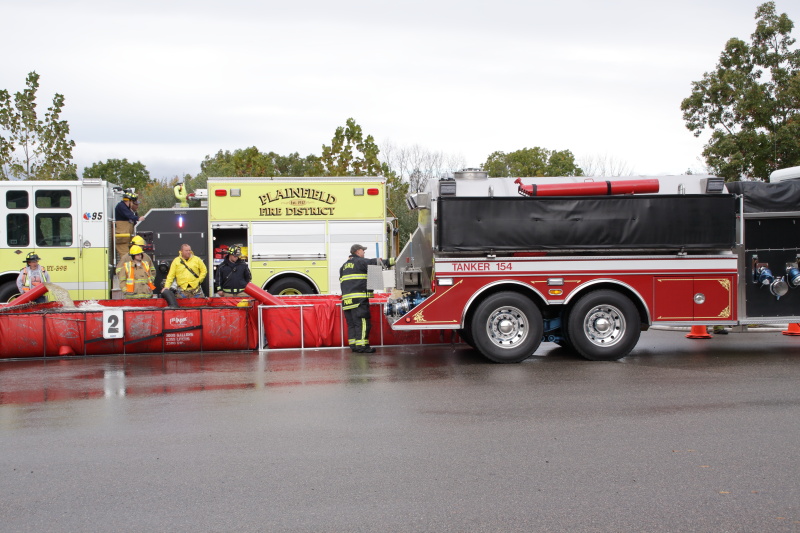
(358, 324)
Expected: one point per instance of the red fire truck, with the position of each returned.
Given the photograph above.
(590, 264)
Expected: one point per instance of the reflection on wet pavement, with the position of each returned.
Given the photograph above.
(33, 381)
(47, 380)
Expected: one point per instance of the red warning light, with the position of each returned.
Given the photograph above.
(220, 192)
(373, 192)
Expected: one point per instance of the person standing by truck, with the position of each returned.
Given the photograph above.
(189, 272)
(355, 298)
(32, 276)
(137, 275)
(233, 274)
(126, 219)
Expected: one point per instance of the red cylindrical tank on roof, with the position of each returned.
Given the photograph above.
(29, 296)
(589, 188)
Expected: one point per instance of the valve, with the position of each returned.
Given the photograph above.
(793, 275)
(763, 276)
(400, 306)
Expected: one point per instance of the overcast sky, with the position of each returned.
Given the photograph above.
(169, 82)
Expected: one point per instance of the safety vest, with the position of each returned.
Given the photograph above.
(130, 272)
(26, 285)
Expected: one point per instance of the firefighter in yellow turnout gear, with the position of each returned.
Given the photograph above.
(136, 276)
(355, 299)
(188, 271)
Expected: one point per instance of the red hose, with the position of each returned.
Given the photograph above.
(589, 188)
(29, 296)
(261, 295)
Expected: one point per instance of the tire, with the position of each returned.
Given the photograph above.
(507, 327)
(290, 286)
(603, 326)
(466, 336)
(8, 292)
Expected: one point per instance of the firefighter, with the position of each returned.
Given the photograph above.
(138, 241)
(180, 194)
(232, 275)
(32, 276)
(126, 219)
(137, 275)
(355, 298)
(188, 271)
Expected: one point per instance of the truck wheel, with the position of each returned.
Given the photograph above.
(8, 292)
(290, 286)
(507, 327)
(466, 336)
(603, 326)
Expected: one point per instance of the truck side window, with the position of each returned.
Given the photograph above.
(55, 199)
(17, 230)
(17, 199)
(53, 229)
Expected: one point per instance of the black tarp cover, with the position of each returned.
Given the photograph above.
(650, 222)
(760, 197)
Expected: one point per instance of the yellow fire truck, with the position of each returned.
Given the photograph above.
(297, 231)
(68, 224)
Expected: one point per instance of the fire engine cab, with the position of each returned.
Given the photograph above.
(589, 264)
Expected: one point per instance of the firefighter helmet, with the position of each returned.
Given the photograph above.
(132, 196)
(137, 240)
(136, 250)
(235, 250)
(31, 257)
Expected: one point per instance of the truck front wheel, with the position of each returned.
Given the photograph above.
(290, 286)
(507, 327)
(604, 326)
(8, 292)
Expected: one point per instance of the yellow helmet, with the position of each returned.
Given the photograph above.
(136, 250)
(138, 240)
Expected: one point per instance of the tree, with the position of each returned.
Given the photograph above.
(159, 193)
(120, 172)
(30, 147)
(751, 102)
(532, 162)
(417, 165)
(408, 169)
(350, 154)
(604, 165)
(250, 162)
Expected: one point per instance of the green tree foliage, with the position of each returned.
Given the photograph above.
(751, 102)
(160, 194)
(350, 154)
(251, 162)
(532, 162)
(121, 172)
(32, 147)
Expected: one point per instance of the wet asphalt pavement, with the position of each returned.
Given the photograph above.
(682, 435)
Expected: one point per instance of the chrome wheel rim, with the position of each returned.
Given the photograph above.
(507, 327)
(604, 325)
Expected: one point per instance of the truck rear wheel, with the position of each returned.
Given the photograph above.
(8, 292)
(290, 286)
(507, 327)
(603, 326)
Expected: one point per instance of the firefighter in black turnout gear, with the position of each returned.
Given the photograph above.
(232, 275)
(355, 298)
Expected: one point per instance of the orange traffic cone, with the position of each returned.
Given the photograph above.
(794, 330)
(698, 332)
